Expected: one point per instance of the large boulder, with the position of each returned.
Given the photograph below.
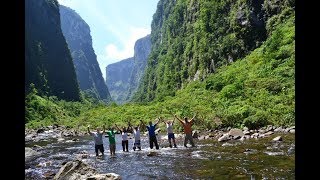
(236, 133)
(73, 170)
(30, 154)
(77, 169)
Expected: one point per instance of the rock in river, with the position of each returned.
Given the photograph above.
(111, 176)
(236, 133)
(278, 138)
(223, 138)
(30, 154)
(77, 169)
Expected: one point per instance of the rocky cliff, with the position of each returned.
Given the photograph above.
(48, 62)
(77, 33)
(123, 77)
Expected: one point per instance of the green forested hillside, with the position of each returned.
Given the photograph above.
(253, 91)
(191, 39)
(48, 63)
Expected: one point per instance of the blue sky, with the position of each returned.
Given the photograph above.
(115, 25)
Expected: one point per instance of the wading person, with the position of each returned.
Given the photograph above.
(169, 125)
(187, 130)
(97, 137)
(136, 134)
(124, 135)
(112, 141)
(152, 134)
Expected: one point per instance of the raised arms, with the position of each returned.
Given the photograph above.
(118, 128)
(193, 118)
(104, 129)
(142, 125)
(159, 118)
(89, 130)
(179, 119)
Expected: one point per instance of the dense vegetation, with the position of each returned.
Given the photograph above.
(191, 39)
(77, 34)
(254, 91)
(48, 63)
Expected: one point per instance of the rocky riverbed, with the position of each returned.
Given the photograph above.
(263, 153)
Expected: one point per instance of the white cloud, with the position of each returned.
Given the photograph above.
(68, 3)
(125, 34)
(114, 53)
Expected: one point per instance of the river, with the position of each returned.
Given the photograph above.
(250, 159)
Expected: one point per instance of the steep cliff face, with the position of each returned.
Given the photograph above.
(142, 50)
(123, 77)
(77, 33)
(190, 39)
(48, 63)
(117, 78)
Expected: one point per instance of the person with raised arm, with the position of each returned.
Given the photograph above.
(152, 134)
(112, 141)
(97, 137)
(187, 130)
(136, 134)
(124, 135)
(169, 125)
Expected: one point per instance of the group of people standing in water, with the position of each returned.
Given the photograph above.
(97, 136)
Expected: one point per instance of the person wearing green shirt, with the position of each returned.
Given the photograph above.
(112, 141)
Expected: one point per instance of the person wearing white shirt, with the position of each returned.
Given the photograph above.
(136, 134)
(169, 125)
(124, 135)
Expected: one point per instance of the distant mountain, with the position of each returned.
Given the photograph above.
(77, 33)
(142, 50)
(48, 62)
(117, 78)
(123, 77)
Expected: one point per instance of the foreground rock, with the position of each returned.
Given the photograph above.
(152, 153)
(104, 176)
(30, 154)
(77, 169)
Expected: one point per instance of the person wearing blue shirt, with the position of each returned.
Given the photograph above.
(152, 134)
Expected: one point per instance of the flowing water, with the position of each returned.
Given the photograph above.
(249, 159)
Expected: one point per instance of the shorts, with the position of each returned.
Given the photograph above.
(137, 143)
(112, 146)
(171, 136)
(99, 147)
